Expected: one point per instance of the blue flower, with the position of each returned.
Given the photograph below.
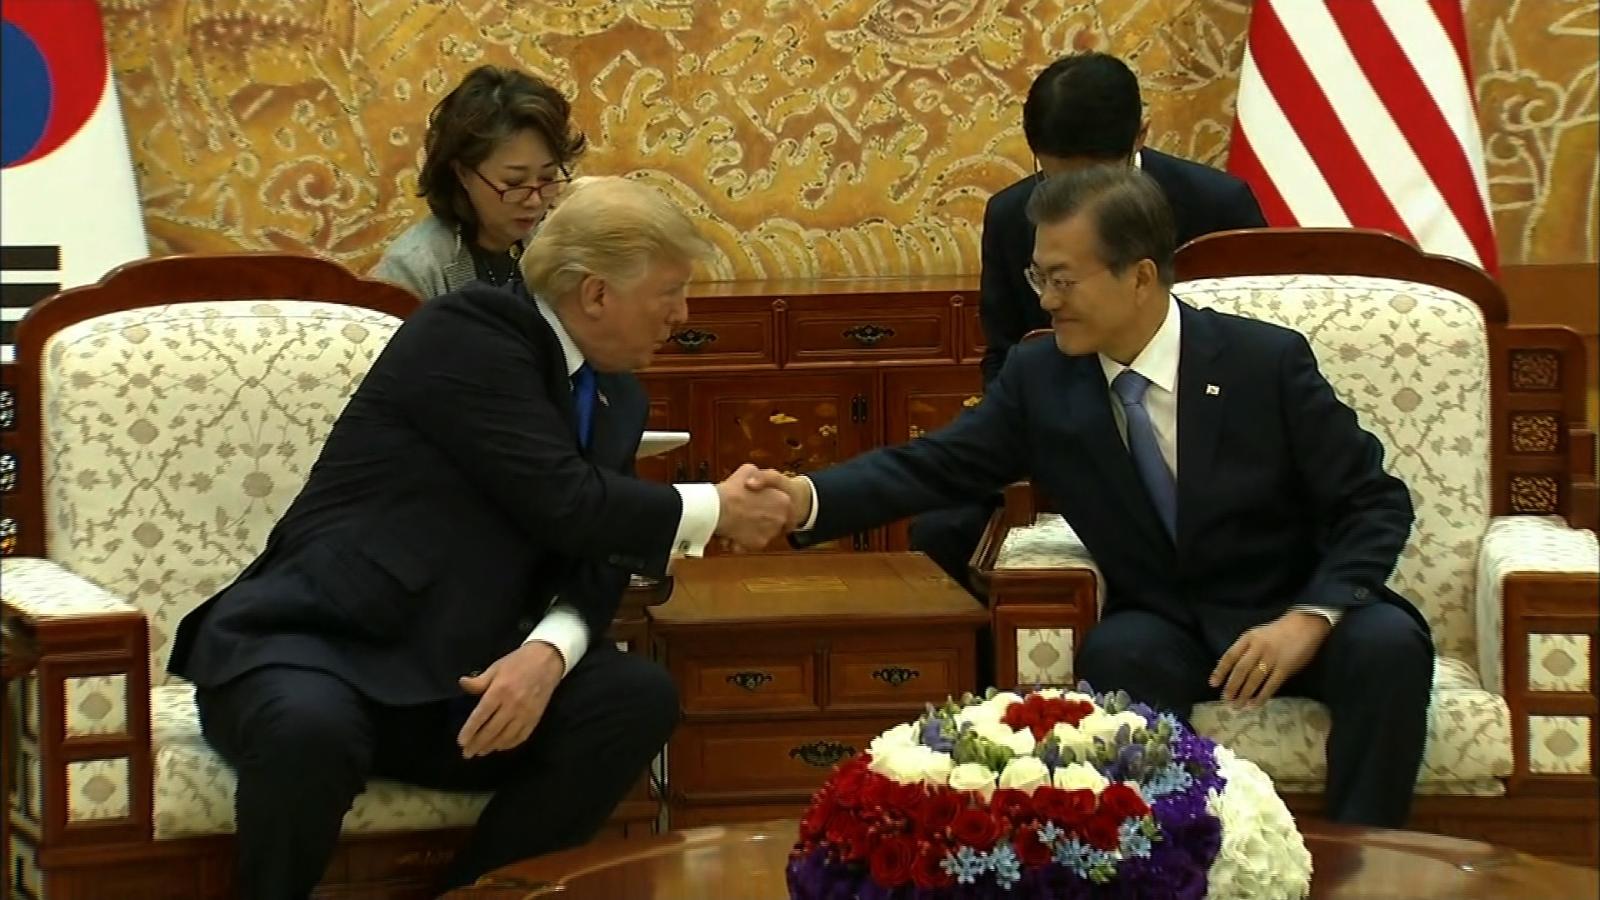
(1132, 840)
(1002, 860)
(1168, 779)
(965, 865)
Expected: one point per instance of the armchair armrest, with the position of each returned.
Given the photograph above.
(1044, 592)
(1538, 621)
(83, 748)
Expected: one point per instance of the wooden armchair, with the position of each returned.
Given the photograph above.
(1484, 422)
(157, 424)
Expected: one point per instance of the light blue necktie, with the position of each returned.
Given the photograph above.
(583, 396)
(1130, 388)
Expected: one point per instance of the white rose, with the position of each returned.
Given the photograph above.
(1080, 776)
(980, 714)
(936, 766)
(1077, 697)
(1049, 693)
(1105, 725)
(1002, 700)
(1025, 774)
(903, 765)
(898, 736)
(1019, 743)
(1073, 738)
(973, 777)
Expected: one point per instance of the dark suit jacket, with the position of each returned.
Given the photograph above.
(1203, 200)
(449, 505)
(1282, 497)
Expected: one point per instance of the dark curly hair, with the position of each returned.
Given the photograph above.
(489, 105)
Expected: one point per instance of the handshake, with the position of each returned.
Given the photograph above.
(758, 505)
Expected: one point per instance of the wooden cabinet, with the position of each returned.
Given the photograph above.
(787, 664)
(799, 376)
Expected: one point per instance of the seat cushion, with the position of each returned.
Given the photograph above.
(194, 787)
(1467, 752)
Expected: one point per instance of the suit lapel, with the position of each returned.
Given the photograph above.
(1202, 398)
(1089, 400)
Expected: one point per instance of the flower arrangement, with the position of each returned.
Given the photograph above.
(1049, 795)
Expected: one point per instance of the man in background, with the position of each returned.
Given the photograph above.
(433, 606)
(1083, 110)
(1240, 515)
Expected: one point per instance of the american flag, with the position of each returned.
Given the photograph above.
(1359, 113)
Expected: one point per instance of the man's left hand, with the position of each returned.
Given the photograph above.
(1266, 656)
(512, 696)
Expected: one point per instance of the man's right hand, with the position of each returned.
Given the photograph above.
(751, 517)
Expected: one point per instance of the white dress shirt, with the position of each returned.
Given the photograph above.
(1158, 363)
(562, 627)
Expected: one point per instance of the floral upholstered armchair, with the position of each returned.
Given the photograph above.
(1484, 423)
(160, 423)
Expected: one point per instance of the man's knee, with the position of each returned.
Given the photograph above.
(648, 698)
(305, 736)
(1382, 644)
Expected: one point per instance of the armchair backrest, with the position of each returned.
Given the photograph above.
(1417, 346)
(179, 406)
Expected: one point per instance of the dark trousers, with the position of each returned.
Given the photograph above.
(304, 743)
(1374, 672)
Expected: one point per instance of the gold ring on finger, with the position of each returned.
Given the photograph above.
(1263, 668)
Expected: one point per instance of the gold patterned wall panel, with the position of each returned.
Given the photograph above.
(812, 137)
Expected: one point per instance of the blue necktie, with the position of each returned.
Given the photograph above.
(1130, 387)
(583, 396)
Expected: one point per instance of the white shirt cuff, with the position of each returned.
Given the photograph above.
(701, 509)
(563, 629)
(811, 520)
(1332, 615)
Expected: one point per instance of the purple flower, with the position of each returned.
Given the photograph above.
(933, 735)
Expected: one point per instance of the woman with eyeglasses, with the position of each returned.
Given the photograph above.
(498, 154)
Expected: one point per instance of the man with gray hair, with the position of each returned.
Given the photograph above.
(433, 606)
(1240, 515)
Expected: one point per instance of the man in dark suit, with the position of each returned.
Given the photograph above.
(433, 606)
(1082, 110)
(1239, 513)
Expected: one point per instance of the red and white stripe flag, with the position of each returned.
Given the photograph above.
(1359, 113)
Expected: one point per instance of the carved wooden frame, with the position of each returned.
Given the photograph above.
(1543, 463)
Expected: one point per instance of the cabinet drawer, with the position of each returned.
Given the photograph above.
(910, 332)
(767, 760)
(893, 678)
(742, 337)
(768, 682)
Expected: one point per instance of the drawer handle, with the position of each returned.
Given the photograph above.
(750, 681)
(868, 335)
(894, 676)
(693, 339)
(821, 754)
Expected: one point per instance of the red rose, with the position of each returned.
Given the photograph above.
(816, 818)
(1075, 711)
(928, 871)
(1011, 805)
(843, 829)
(1065, 808)
(1101, 831)
(1030, 849)
(938, 811)
(975, 828)
(892, 860)
(847, 786)
(905, 799)
(874, 791)
(1122, 801)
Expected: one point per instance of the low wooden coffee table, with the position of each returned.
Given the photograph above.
(747, 862)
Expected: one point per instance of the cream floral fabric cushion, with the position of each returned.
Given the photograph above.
(1412, 360)
(1469, 733)
(194, 787)
(176, 435)
(42, 589)
(1049, 543)
(1522, 544)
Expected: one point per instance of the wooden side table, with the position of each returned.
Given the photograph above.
(788, 663)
